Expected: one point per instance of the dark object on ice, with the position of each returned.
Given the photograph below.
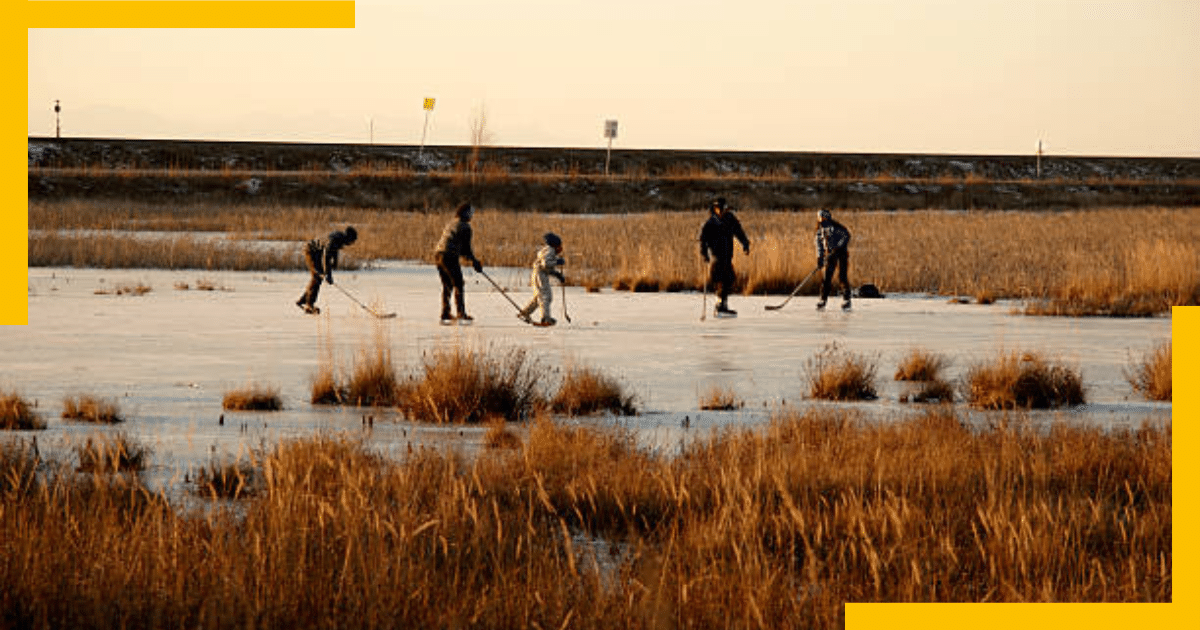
(869, 291)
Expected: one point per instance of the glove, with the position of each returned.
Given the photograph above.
(706, 261)
(329, 278)
(561, 278)
(477, 265)
(820, 262)
(746, 248)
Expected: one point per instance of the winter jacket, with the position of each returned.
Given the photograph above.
(325, 252)
(547, 264)
(718, 234)
(830, 236)
(456, 240)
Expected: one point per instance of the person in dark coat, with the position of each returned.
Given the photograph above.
(833, 253)
(321, 256)
(455, 244)
(717, 236)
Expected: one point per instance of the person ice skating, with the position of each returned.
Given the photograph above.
(717, 236)
(549, 259)
(455, 244)
(833, 253)
(322, 258)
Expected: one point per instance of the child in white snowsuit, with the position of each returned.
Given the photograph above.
(549, 259)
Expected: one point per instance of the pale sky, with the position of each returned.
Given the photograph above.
(1101, 77)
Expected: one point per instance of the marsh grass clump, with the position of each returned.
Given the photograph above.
(936, 390)
(920, 365)
(1016, 380)
(118, 453)
(17, 414)
(460, 384)
(500, 436)
(372, 380)
(837, 374)
(721, 398)
(252, 397)
(89, 408)
(1151, 377)
(585, 391)
(229, 480)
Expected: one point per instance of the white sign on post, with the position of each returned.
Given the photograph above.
(610, 129)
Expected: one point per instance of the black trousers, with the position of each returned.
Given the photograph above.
(838, 259)
(450, 271)
(722, 277)
(314, 257)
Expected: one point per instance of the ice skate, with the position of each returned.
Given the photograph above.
(821, 305)
(846, 305)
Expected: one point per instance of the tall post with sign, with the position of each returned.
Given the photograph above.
(428, 108)
(610, 132)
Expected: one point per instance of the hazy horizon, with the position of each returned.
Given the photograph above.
(1113, 78)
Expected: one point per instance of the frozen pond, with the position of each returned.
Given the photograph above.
(168, 356)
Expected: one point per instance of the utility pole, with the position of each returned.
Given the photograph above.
(610, 132)
(1039, 159)
(57, 122)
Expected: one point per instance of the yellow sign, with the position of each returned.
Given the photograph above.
(429, 104)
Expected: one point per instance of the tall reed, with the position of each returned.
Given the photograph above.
(583, 528)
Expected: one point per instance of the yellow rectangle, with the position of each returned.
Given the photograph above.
(190, 14)
(429, 103)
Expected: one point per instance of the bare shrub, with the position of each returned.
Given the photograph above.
(465, 385)
(253, 397)
(837, 374)
(16, 413)
(88, 408)
(1017, 380)
(118, 453)
(1151, 377)
(585, 390)
(921, 365)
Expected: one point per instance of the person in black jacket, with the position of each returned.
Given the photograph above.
(454, 244)
(322, 258)
(717, 236)
(833, 253)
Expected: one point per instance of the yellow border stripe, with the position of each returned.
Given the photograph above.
(191, 14)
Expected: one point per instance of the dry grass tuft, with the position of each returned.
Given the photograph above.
(118, 453)
(936, 390)
(921, 365)
(500, 436)
(466, 385)
(586, 390)
(229, 480)
(1152, 376)
(721, 398)
(16, 413)
(88, 408)
(253, 397)
(1023, 381)
(837, 374)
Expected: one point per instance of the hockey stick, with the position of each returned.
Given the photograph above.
(365, 307)
(704, 300)
(775, 307)
(502, 291)
(564, 296)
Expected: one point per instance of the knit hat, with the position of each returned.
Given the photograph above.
(719, 202)
(464, 211)
(552, 240)
(823, 215)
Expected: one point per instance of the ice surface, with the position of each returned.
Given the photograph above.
(169, 356)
